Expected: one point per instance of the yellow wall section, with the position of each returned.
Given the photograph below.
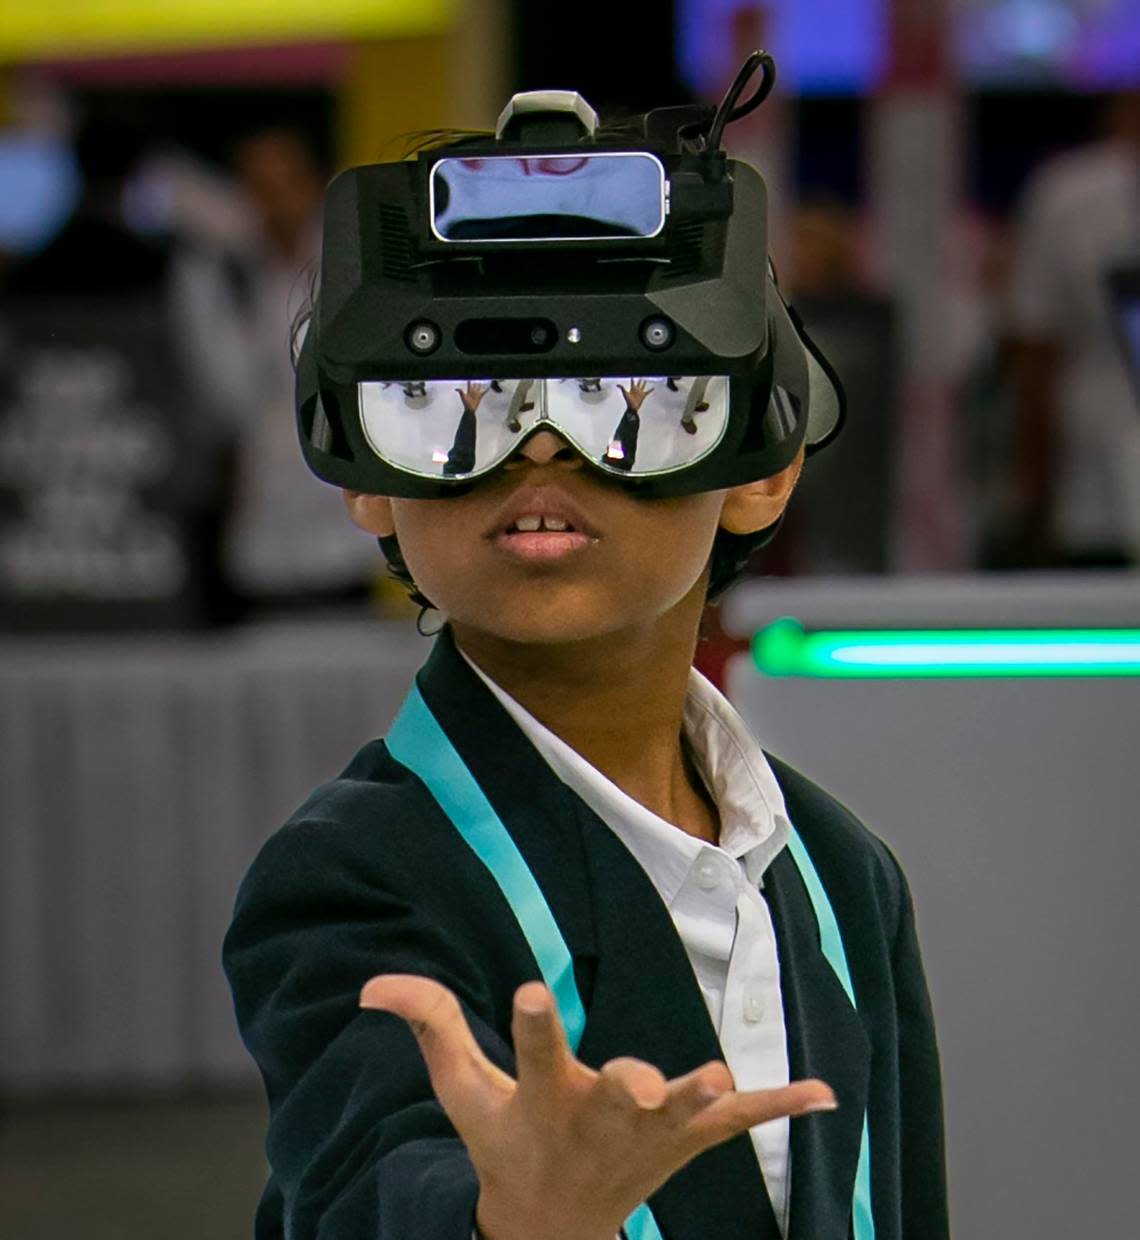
(114, 27)
(456, 78)
(393, 87)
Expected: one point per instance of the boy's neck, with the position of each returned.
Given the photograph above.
(618, 700)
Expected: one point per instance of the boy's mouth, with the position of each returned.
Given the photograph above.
(532, 523)
(541, 524)
(544, 546)
(546, 510)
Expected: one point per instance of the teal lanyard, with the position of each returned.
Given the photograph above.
(417, 740)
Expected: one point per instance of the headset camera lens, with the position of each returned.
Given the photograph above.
(422, 337)
(657, 333)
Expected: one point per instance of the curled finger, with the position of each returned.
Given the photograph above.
(628, 1084)
(691, 1093)
(542, 1054)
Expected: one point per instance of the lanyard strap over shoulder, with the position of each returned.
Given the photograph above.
(417, 741)
(831, 942)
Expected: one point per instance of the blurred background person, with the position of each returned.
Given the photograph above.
(984, 398)
(113, 481)
(286, 543)
(1077, 439)
(95, 251)
(841, 521)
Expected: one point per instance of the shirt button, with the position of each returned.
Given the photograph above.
(708, 873)
(753, 1007)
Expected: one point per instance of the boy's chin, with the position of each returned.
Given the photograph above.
(553, 621)
(529, 630)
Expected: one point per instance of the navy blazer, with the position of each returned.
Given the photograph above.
(369, 876)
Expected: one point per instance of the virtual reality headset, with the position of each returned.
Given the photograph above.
(613, 288)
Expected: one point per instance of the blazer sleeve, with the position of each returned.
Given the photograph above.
(922, 1140)
(357, 1144)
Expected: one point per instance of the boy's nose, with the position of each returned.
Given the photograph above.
(543, 447)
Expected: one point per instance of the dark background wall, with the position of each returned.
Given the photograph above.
(618, 63)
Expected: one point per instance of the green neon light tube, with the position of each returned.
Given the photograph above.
(785, 649)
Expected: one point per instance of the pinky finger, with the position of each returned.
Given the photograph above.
(737, 1112)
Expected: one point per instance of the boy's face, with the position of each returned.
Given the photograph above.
(632, 561)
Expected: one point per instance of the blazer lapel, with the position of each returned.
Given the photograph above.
(535, 806)
(826, 1039)
(647, 1003)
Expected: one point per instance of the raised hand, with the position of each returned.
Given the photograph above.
(635, 394)
(566, 1152)
(472, 396)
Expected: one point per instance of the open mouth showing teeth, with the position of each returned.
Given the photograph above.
(532, 525)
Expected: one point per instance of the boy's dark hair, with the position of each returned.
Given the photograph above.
(730, 554)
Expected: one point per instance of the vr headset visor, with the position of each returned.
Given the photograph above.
(618, 294)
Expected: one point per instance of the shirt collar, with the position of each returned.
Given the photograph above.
(754, 821)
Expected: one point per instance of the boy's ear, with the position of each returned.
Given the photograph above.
(373, 513)
(757, 505)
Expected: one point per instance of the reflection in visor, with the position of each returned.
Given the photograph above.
(457, 428)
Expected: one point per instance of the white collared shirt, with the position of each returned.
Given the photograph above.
(712, 892)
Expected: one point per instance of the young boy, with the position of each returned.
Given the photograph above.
(568, 954)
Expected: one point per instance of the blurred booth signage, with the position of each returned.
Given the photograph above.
(101, 473)
(72, 27)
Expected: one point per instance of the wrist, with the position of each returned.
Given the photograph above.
(476, 1234)
(489, 1224)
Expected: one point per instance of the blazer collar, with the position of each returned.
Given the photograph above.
(536, 807)
(826, 1039)
(646, 1002)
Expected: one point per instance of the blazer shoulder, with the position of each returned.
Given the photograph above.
(369, 853)
(373, 781)
(369, 822)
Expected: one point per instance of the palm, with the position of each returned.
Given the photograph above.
(472, 396)
(565, 1141)
(635, 394)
